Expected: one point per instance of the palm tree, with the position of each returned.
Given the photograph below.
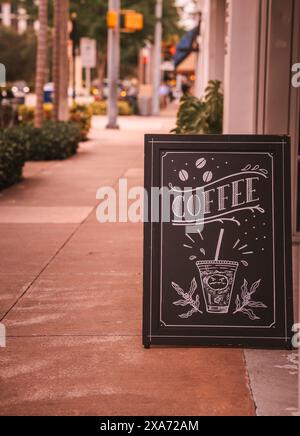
(55, 61)
(60, 60)
(41, 67)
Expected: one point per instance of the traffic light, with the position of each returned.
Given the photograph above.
(112, 19)
(74, 34)
(168, 51)
(172, 50)
(133, 21)
(130, 21)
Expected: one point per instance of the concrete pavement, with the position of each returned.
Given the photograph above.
(71, 299)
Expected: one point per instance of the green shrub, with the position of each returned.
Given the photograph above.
(79, 114)
(202, 116)
(124, 108)
(55, 141)
(24, 135)
(82, 115)
(8, 115)
(26, 113)
(12, 159)
(100, 108)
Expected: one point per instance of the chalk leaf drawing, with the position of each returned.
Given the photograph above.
(245, 304)
(187, 299)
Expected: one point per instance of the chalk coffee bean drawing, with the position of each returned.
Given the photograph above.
(207, 176)
(201, 163)
(183, 175)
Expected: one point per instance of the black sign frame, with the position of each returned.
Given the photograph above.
(279, 335)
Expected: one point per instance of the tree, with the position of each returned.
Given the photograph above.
(60, 60)
(25, 46)
(30, 6)
(92, 22)
(41, 65)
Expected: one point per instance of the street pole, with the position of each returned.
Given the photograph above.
(74, 38)
(157, 58)
(88, 81)
(199, 80)
(74, 74)
(113, 57)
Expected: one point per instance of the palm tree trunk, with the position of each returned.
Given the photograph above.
(41, 67)
(60, 60)
(64, 65)
(55, 61)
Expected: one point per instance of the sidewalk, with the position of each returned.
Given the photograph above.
(71, 300)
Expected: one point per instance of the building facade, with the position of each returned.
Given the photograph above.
(17, 19)
(251, 46)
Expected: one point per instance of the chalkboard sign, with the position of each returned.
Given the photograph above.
(217, 250)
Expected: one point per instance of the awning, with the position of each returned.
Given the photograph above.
(189, 65)
(186, 46)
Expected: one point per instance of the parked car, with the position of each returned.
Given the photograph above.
(19, 90)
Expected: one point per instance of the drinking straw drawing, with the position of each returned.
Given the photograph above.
(217, 257)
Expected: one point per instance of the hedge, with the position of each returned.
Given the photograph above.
(26, 113)
(55, 141)
(79, 114)
(100, 108)
(12, 160)
(82, 116)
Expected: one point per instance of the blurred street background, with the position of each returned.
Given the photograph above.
(87, 73)
(81, 82)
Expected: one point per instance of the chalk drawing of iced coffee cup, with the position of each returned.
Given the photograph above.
(217, 280)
